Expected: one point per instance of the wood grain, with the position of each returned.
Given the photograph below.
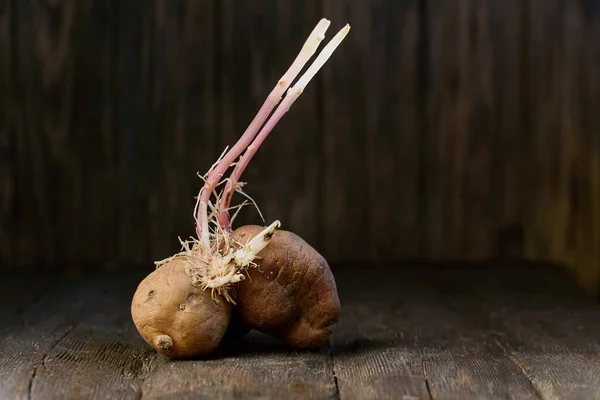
(7, 189)
(372, 356)
(460, 219)
(371, 132)
(407, 339)
(45, 161)
(258, 367)
(18, 292)
(563, 150)
(447, 331)
(259, 40)
(101, 356)
(547, 341)
(184, 119)
(91, 139)
(134, 136)
(507, 33)
(546, 326)
(457, 129)
(589, 212)
(59, 126)
(345, 176)
(546, 76)
(27, 339)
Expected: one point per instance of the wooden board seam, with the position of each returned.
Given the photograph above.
(332, 366)
(69, 329)
(522, 366)
(427, 383)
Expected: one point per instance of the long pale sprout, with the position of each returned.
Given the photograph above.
(292, 95)
(214, 176)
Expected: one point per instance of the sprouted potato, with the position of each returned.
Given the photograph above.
(183, 308)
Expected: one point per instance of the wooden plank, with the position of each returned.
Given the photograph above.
(42, 150)
(27, 340)
(546, 78)
(7, 183)
(542, 321)
(72, 345)
(19, 291)
(371, 133)
(257, 367)
(506, 25)
(564, 153)
(134, 88)
(555, 343)
(583, 238)
(94, 193)
(102, 356)
(91, 349)
(372, 355)
(545, 325)
(344, 197)
(132, 125)
(405, 339)
(258, 42)
(184, 120)
(59, 117)
(476, 331)
(589, 211)
(459, 216)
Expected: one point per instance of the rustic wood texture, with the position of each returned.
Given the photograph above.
(432, 331)
(98, 355)
(371, 161)
(7, 174)
(546, 329)
(546, 340)
(28, 338)
(88, 137)
(406, 339)
(62, 151)
(476, 332)
(373, 358)
(472, 136)
(507, 28)
(258, 367)
(132, 134)
(182, 85)
(439, 129)
(45, 152)
(18, 292)
(589, 213)
(562, 152)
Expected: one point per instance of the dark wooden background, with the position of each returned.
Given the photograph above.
(439, 129)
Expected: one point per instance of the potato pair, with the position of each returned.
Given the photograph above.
(290, 294)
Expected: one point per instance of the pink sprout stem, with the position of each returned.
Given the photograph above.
(243, 162)
(282, 109)
(214, 177)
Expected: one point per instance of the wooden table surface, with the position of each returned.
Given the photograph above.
(464, 331)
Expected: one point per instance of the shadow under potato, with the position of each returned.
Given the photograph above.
(255, 343)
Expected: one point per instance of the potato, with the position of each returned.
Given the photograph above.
(291, 294)
(177, 319)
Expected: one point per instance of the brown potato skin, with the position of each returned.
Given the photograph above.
(292, 294)
(188, 321)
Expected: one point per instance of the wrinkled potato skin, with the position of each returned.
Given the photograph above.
(292, 294)
(166, 303)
